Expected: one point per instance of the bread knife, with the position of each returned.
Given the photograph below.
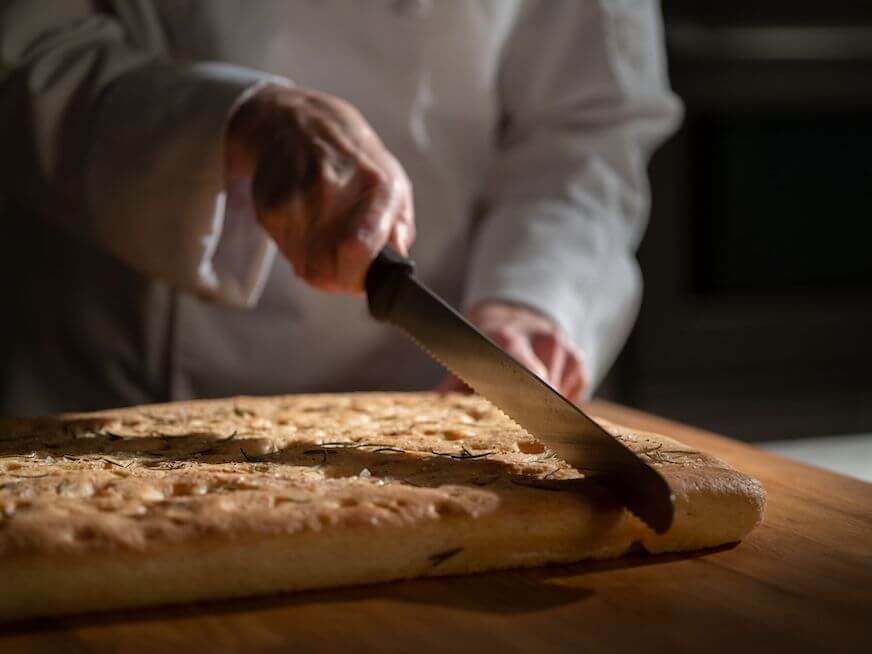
(395, 295)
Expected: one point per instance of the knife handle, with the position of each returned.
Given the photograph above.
(383, 280)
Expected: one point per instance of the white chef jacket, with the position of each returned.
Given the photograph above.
(524, 125)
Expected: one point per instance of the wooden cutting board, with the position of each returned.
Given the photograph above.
(802, 581)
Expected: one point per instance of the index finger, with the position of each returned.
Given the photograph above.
(368, 229)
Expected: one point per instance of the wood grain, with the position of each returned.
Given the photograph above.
(800, 582)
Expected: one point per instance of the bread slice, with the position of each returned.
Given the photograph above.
(199, 500)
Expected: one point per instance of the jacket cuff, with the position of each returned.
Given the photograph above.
(156, 183)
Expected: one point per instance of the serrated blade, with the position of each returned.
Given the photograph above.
(456, 344)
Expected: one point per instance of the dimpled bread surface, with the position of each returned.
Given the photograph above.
(245, 496)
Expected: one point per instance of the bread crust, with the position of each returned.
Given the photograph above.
(199, 500)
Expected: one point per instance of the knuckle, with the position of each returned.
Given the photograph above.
(576, 356)
(503, 335)
(382, 178)
(376, 178)
(359, 244)
(346, 108)
(372, 223)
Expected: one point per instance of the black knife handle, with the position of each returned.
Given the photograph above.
(383, 280)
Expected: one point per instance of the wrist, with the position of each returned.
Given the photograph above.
(249, 129)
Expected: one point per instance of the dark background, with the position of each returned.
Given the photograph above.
(757, 317)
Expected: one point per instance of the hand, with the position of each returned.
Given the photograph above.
(534, 341)
(324, 186)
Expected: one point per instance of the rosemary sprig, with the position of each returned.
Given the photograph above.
(388, 449)
(350, 445)
(248, 458)
(551, 474)
(465, 454)
(115, 463)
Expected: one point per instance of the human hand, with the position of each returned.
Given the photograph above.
(534, 341)
(324, 186)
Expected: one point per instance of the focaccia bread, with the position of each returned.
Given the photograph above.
(225, 498)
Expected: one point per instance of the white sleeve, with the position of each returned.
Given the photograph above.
(110, 139)
(585, 101)
(165, 210)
